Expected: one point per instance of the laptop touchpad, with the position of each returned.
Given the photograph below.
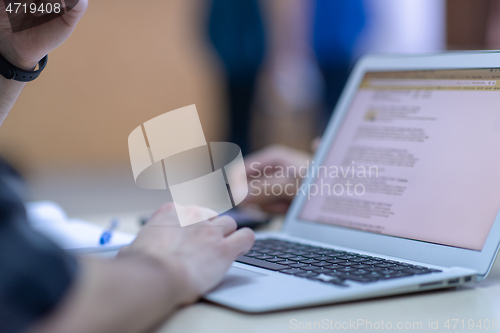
(236, 276)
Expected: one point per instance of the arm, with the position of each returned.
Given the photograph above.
(166, 267)
(275, 168)
(9, 92)
(26, 48)
(493, 26)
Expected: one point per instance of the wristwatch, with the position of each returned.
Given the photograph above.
(11, 72)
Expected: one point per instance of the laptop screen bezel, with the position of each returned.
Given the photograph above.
(421, 251)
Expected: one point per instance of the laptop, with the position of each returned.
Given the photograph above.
(417, 139)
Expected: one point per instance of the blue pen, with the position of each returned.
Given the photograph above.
(106, 235)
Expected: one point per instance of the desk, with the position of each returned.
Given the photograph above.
(477, 303)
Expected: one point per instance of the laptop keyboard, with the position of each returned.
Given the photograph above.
(326, 265)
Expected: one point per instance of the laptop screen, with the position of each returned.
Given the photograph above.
(417, 156)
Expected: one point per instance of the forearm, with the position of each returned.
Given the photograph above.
(9, 92)
(129, 294)
(11, 89)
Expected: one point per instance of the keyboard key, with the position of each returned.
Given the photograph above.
(398, 268)
(345, 263)
(361, 279)
(291, 271)
(385, 265)
(263, 257)
(308, 268)
(321, 270)
(338, 282)
(416, 271)
(261, 263)
(308, 261)
(385, 276)
(298, 265)
(321, 264)
(360, 272)
(255, 249)
(297, 258)
(334, 274)
(392, 262)
(398, 275)
(275, 260)
(357, 260)
(286, 256)
(299, 253)
(345, 269)
(334, 266)
(335, 261)
(275, 253)
(307, 274)
(324, 252)
(334, 281)
(375, 269)
(346, 257)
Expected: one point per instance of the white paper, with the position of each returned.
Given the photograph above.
(49, 219)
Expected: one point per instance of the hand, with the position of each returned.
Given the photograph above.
(199, 254)
(274, 174)
(26, 48)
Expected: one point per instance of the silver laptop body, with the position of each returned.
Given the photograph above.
(430, 126)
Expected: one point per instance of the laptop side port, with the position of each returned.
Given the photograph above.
(431, 284)
(453, 281)
(468, 279)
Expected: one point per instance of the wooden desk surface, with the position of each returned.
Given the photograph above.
(478, 305)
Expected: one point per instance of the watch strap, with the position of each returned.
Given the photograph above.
(11, 72)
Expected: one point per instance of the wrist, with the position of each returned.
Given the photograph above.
(172, 273)
(16, 60)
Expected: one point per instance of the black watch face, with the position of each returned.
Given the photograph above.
(7, 73)
(26, 14)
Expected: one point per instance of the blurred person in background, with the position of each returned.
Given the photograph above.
(389, 26)
(337, 26)
(493, 26)
(237, 33)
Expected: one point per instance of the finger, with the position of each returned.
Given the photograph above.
(164, 215)
(240, 242)
(315, 143)
(270, 156)
(74, 11)
(276, 208)
(271, 190)
(187, 214)
(165, 209)
(226, 223)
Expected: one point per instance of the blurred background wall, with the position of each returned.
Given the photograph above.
(129, 61)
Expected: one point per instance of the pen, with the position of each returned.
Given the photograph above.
(106, 235)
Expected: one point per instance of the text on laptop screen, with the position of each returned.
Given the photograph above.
(417, 156)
